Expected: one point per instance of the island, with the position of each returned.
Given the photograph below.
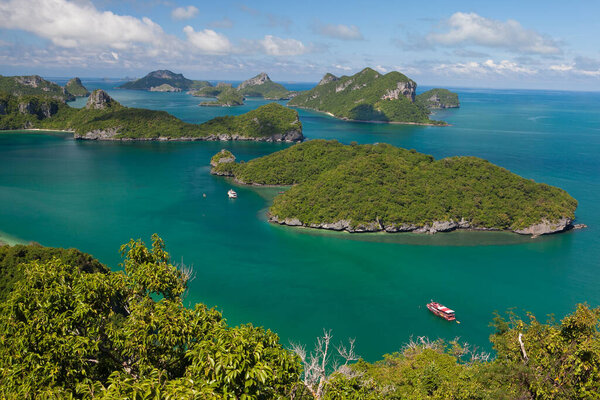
(259, 86)
(367, 96)
(262, 86)
(157, 78)
(226, 97)
(34, 85)
(373, 188)
(438, 98)
(103, 118)
(76, 88)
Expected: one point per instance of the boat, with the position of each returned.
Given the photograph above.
(232, 194)
(441, 311)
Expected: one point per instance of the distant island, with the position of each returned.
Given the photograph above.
(259, 86)
(36, 85)
(103, 118)
(161, 77)
(371, 188)
(368, 96)
(165, 87)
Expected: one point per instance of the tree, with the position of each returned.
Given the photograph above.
(69, 333)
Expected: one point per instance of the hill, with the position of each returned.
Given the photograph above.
(438, 98)
(103, 118)
(76, 88)
(226, 97)
(33, 85)
(262, 86)
(163, 76)
(366, 96)
(369, 188)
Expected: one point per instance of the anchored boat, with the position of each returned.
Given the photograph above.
(441, 311)
(232, 194)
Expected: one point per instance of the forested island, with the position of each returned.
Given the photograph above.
(372, 188)
(72, 329)
(369, 96)
(103, 118)
(161, 77)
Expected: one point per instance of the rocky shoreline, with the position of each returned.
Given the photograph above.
(543, 228)
(109, 135)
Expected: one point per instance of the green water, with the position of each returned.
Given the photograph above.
(97, 195)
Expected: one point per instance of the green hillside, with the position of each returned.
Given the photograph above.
(438, 98)
(76, 88)
(157, 78)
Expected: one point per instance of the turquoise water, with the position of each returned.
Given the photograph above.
(97, 195)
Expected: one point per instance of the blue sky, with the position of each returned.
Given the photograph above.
(509, 44)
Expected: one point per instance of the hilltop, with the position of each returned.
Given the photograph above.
(76, 88)
(370, 188)
(367, 96)
(34, 85)
(103, 118)
(262, 86)
(160, 77)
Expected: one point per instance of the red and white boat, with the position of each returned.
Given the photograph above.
(441, 311)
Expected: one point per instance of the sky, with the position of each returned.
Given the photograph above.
(508, 44)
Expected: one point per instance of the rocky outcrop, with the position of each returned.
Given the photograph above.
(43, 110)
(99, 134)
(99, 100)
(257, 80)
(222, 157)
(76, 88)
(406, 89)
(165, 87)
(31, 80)
(543, 228)
(546, 227)
(328, 78)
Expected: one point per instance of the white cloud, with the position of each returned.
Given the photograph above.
(381, 69)
(275, 46)
(561, 67)
(471, 28)
(487, 67)
(208, 41)
(75, 24)
(184, 12)
(342, 67)
(343, 32)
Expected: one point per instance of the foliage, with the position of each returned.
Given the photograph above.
(76, 88)
(33, 85)
(360, 97)
(67, 332)
(157, 78)
(438, 98)
(199, 85)
(26, 111)
(389, 186)
(12, 258)
(265, 121)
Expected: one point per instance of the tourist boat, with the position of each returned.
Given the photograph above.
(232, 194)
(441, 311)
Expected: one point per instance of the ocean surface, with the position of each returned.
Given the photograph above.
(95, 196)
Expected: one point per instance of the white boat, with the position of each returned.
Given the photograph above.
(232, 194)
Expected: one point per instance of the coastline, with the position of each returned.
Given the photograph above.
(367, 121)
(223, 138)
(534, 231)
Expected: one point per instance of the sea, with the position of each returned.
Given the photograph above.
(297, 282)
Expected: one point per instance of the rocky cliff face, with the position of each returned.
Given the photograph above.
(165, 87)
(406, 89)
(257, 80)
(31, 80)
(43, 110)
(99, 100)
